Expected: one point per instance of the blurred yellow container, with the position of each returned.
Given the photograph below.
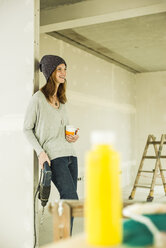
(103, 203)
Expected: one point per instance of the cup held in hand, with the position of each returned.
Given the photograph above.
(70, 130)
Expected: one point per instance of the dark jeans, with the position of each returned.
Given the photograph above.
(64, 176)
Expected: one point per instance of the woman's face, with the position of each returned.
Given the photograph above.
(60, 74)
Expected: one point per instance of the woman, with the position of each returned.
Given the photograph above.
(44, 127)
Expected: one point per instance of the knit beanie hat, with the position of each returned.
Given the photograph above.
(49, 63)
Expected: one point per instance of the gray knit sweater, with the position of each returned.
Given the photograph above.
(44, 127)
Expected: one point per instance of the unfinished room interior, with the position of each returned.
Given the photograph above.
(116, 54)
(116, 81)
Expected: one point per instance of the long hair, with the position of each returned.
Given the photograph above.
(50, 87)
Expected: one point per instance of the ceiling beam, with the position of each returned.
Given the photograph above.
(108, 17)
(85, 8)
(125, 64)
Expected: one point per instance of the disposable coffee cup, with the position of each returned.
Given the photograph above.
(70, 130)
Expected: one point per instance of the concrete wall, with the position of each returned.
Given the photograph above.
(104, 96)
(100, 96)
(16, 157)
(151, 113)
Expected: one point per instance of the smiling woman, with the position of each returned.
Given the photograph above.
(44, 126)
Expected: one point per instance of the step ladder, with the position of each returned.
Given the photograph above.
(151, 140)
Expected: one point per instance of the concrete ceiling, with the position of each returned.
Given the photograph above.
(49, 4)
(132, 35)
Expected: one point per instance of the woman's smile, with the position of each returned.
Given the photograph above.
(60, 73)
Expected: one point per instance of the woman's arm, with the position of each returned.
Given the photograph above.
(29, 124)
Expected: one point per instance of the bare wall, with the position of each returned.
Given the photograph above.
(16, 156)
(151, 113)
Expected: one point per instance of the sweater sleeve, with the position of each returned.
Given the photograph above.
(29, 124)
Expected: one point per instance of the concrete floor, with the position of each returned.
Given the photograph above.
(142, 194)
(46, 229)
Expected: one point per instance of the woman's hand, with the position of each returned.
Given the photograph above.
(72, 138)
(42, 158)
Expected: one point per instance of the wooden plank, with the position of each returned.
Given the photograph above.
(150, 157)
(142, 186)
(145, 171)
(77, 207)
(154, 157)
(156, 142)
(61, 220)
